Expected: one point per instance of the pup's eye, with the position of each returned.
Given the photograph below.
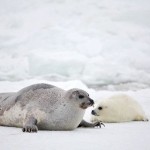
(81, 96)
(100, 108)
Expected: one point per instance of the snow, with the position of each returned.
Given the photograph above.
(125, 136)
(97, 42)
(114, 136)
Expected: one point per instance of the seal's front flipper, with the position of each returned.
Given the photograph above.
(90, 125)
(30, 125)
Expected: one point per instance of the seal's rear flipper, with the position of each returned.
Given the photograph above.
(90, 125)
(30, 125)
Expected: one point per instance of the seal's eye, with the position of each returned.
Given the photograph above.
(81, 96)
(100, 108)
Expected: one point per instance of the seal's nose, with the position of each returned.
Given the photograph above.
(93, 112)
(91, 102)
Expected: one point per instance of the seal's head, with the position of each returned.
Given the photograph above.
(104, 111)
(80, 97)
(100, 110)
(96, 112)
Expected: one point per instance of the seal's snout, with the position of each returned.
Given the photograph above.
(91, 102)
(93, 113)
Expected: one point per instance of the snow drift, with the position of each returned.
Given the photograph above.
(98, 42)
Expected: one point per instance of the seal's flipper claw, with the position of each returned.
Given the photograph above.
(99, 124)
(30, 125)
(32, 128)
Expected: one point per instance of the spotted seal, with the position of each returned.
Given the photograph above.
(45, 107)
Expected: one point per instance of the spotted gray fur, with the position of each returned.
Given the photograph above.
(43, 106)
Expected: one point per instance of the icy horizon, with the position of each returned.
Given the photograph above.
(101, 43)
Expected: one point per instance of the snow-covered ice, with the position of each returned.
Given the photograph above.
(114, 136)
(125, 136)
(99, 42)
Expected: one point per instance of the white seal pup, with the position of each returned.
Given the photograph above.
(118, 108)
(46, 107)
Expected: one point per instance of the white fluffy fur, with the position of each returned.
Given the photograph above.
(118, 108)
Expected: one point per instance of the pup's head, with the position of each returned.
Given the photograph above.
(104, 111)
(100, 110)
(80, 97)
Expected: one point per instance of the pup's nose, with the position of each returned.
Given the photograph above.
(93, 112)
(91, 102)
